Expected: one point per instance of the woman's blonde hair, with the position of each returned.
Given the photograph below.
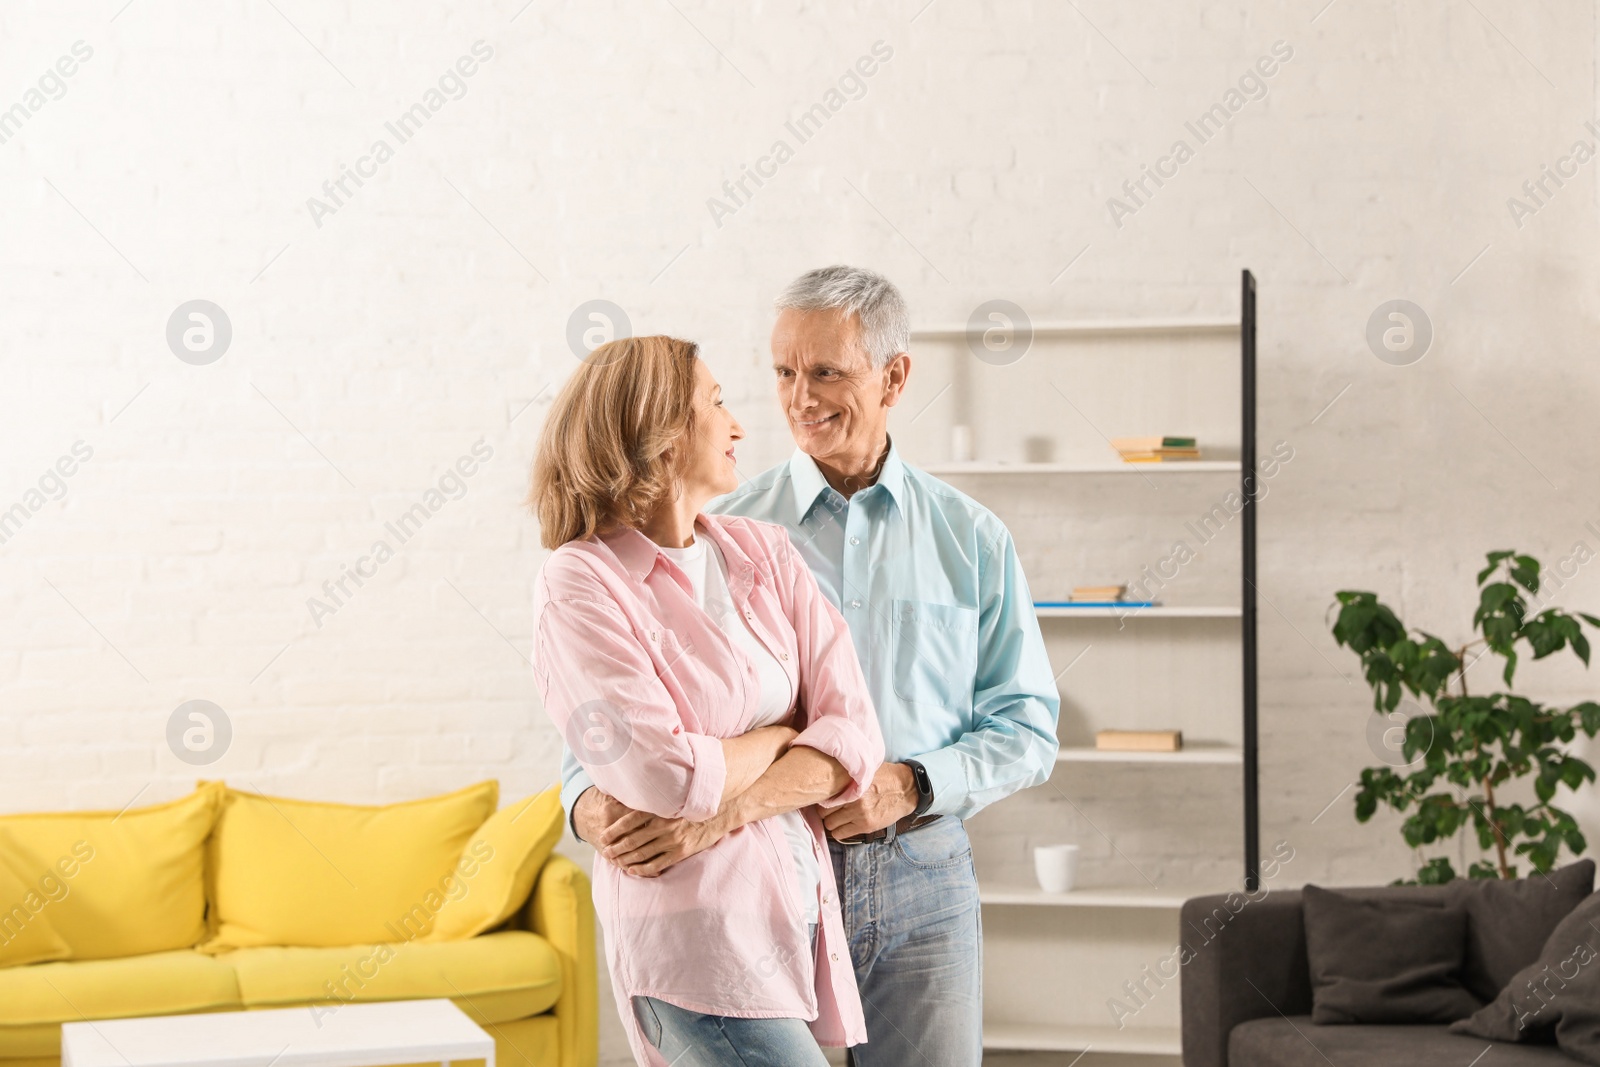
(603, 459)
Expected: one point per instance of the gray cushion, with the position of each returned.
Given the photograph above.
(1296, 1041)
(1378, 960)
(1557, 996)
(1508, 922)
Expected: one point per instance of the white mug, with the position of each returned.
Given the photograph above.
(961, 443)
(1056, 866)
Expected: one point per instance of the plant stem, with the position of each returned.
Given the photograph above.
(1494, 824)
(1488, 788)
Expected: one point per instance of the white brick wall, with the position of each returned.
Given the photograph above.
(372, 351)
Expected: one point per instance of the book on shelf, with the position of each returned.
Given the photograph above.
(1150, 444)
(1097, 603)
(1099, 592)
(1138, 740)
(1156, 449)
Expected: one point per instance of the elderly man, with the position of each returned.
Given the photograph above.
(939, 613)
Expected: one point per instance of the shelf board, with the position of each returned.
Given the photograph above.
(1195, 753)
(1190, 466)
(1088, 327)
(1160, 611)
(1100, 897)
(1051, 1037)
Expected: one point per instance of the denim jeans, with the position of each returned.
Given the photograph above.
(916, 940)
(692, 1039)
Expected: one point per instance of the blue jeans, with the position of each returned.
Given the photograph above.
(916, 940)
(692, 1039)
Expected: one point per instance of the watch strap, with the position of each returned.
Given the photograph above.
(919, 774)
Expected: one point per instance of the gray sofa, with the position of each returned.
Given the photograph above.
(1246, 993)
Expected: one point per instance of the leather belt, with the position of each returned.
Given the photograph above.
(904, 826)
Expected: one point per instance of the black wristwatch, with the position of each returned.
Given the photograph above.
(924, 786)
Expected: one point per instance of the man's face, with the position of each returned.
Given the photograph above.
(836, 401)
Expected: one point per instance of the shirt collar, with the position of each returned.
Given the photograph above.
(634, 551)
(808, 482)
(638, 555)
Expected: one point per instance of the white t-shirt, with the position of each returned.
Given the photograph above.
(710, 584)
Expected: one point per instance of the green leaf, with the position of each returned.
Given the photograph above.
(1574, 772)
(1494, 561)
(1590, 619)
(1548, 632)
(1589, 714)
(1494, 598)
(1436, 871)
(1483, 869)
(1525, 572)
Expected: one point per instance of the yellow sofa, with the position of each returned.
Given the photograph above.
(530, 981)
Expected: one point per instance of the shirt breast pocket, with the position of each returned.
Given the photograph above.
(935, 653)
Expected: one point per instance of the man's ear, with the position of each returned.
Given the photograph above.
(896, 372)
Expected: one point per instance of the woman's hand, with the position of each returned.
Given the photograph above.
(645, 845)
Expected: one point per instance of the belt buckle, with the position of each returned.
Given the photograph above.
(867, 838)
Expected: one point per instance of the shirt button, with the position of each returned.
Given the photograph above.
(783, 655)
(833, 956)
(855, 540)
(855, 603)
(675, 729)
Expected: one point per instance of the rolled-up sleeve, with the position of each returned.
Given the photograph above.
(602, 693)
(840, 719)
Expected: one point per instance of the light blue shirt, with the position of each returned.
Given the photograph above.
(939, 612)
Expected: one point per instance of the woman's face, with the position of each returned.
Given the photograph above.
(709, 463)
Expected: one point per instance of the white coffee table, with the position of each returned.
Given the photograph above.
(344, 1035)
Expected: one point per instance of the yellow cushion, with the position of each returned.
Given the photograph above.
(508, 975)
(36, 1000)
(26, 935)
(498, 866)
(134, 879)
(303, 873)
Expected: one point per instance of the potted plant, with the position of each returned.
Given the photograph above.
(1472, 744)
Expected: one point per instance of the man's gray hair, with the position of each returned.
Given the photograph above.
(872, 298)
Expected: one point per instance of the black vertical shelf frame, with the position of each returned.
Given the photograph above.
(1248, 486)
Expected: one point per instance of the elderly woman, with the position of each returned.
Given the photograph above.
(681, 655)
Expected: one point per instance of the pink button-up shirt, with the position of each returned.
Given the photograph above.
(642, 683)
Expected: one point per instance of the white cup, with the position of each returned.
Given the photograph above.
(960, 443)
(1056, 866)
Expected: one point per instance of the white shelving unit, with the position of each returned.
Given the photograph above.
(1104, 897)
(1039, 1037)
(1037, 933)
(1093, 327)
(1158, 611)
(1190, 753)
(1192, 466)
